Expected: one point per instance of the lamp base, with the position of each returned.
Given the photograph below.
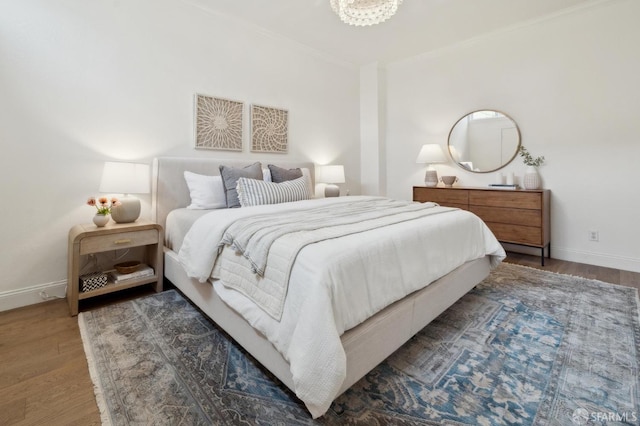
(331, 190)
(431, 178)
(128, 210)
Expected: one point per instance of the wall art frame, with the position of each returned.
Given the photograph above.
(218, 123)
(269, 129)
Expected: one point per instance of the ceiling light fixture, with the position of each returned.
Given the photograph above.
(364, 12)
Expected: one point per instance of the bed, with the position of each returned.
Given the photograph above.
(337, 342)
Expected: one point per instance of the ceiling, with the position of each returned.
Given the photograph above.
(419, 26)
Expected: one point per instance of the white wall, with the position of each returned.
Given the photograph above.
(373, 176)
(571, 85)
(84, 82)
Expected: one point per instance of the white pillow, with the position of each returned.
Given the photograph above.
(207, 192)
(266, 175)
(252, 192)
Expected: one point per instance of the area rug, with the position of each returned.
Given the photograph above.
(525, 347)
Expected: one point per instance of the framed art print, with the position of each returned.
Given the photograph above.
(218, 123)
(269, 129)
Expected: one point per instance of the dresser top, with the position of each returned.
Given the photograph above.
(480, 188)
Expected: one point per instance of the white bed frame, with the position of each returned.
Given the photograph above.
(366, 345)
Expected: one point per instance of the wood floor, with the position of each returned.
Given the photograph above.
(44, 378)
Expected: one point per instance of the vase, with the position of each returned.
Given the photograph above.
(101, 220)
(531, 178)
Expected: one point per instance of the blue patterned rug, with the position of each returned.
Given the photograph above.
(525, 347)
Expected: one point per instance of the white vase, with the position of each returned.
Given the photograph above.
(532, 178)
(101, 220)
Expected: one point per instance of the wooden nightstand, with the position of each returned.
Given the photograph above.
(85, 240)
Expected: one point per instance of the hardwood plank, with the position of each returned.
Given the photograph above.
(12, 412)
(630, 279)
(44, 378)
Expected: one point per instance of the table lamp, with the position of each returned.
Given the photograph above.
(331, 175)
(430, 154)
(126, 179)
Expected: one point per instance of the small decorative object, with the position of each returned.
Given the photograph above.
(125, 178)
(510, 179)
(449, 180)
(330, 175)
(101, 220)
(127, 267)
(269, 129)
(364, 12)
(103, 205)
(431, 154)
(218, 123)
(93, 281)
(531, 177)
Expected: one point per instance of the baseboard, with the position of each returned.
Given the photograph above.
(32, 295)
(599, 259)
(590, 258)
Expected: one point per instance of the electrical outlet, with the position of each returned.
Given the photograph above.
(594, 235)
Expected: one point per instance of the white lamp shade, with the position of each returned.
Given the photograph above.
(431, 153)
(330, 174)
(125, 178)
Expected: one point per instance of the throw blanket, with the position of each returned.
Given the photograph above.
(276, 239)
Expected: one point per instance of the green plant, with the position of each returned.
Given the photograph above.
(528, 159)
(103, 204)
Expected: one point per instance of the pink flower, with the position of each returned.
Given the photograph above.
(103, 205)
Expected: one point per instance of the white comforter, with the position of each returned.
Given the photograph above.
(337, 284)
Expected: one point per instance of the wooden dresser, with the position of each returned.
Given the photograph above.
(516, 217)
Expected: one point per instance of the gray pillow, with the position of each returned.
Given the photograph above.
(279, 175)
(230, 176)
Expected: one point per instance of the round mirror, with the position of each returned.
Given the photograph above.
(484, 141)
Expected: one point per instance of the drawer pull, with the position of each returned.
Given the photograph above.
(123, 241)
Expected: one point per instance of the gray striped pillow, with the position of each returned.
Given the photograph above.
(253, 192)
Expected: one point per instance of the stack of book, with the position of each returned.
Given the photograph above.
(142, 272)
(502, 186)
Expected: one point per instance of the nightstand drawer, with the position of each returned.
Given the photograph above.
(118, 241)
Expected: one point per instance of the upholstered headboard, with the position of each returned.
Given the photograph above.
(169, 190)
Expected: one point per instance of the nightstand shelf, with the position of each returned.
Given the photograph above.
(111, 287)
(86, 240)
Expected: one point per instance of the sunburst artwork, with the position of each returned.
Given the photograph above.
(269, 129)
(218, 123)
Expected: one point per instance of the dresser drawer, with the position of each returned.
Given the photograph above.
(511, 216)
(117, 241)
(512, 199)
(445, 197)
(516, 234)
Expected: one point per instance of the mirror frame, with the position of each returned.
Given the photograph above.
(485, 171)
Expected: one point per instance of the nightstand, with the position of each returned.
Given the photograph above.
(86, 240)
